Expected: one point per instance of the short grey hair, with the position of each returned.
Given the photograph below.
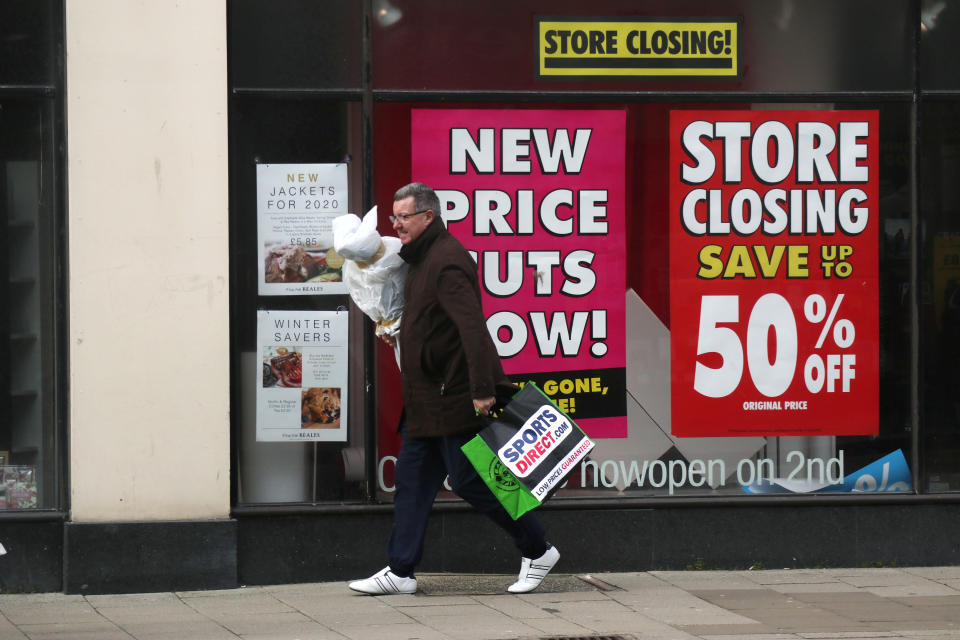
(423, 197)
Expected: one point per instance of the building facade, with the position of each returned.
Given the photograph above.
(724, 237)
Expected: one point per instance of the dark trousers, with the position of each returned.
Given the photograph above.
(422, 465)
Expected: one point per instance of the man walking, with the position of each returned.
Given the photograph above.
(451, 374)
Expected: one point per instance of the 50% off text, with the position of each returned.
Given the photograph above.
(830, 366)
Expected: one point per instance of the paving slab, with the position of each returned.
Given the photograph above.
(887, 603)
(693, 580)
(926, 588)
(884, 580)
(335, 618)
(545, 599)
(851, 634)
(852, 596)
(789, 576)
(296, 634)
(873, 572)
(244, 625)
(243, 604)
(308, 588)
(513, 606)
(480, 624)
(68, 612)
(935, 573)
(882, 612)
(437, 601)
(342, 605)
(74, 630)
(748, 599)
(9, 631)
(635, 580)
(831, 588)
(394, 632)
(131, 599)
(192, 634)
(682, 613)
(464, 611)
(126, 615)
(557, 627)
(752, 636)
(608, 617)
(918, 626)
(952, 600)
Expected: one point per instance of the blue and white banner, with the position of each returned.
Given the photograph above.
(889, 474)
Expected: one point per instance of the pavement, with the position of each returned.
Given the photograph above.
(712, 605)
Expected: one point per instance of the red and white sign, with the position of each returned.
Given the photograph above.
(538, 197)
(774, 235)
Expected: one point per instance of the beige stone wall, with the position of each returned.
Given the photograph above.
(148, 259)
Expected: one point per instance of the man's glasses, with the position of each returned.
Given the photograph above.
(403, 217)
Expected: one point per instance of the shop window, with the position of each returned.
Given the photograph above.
(646, 458)
(31, 312)
(939, 22)
(28, 40)
(315, 454)
(289, 108)
(939, 247)
(940, 295)
(795, 47)
(28, 321)
(295, 44)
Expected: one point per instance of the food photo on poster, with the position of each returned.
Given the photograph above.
(282, 367)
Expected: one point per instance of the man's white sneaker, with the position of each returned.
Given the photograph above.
(532, 572)
(384, 583)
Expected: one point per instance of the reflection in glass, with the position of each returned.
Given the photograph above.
(27, 468)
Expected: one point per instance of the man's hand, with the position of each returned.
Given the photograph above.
(483, 405)
(389, 339)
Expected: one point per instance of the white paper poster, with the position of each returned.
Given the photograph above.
(302, 385)
(296, 205)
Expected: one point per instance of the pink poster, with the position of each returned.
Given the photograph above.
(537, 196)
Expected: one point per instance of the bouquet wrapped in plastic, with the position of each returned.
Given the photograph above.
(373, 271)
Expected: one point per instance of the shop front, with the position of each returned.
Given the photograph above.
(722, 237)
(704, 230)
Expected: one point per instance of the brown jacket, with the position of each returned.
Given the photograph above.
(447, 357)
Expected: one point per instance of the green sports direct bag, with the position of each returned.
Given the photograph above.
(526, 452)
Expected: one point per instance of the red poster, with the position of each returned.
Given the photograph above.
(774, 273)
(538, 197)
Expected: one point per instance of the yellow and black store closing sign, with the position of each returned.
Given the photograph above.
(651, 47)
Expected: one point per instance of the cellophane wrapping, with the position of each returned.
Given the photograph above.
(373, 271)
